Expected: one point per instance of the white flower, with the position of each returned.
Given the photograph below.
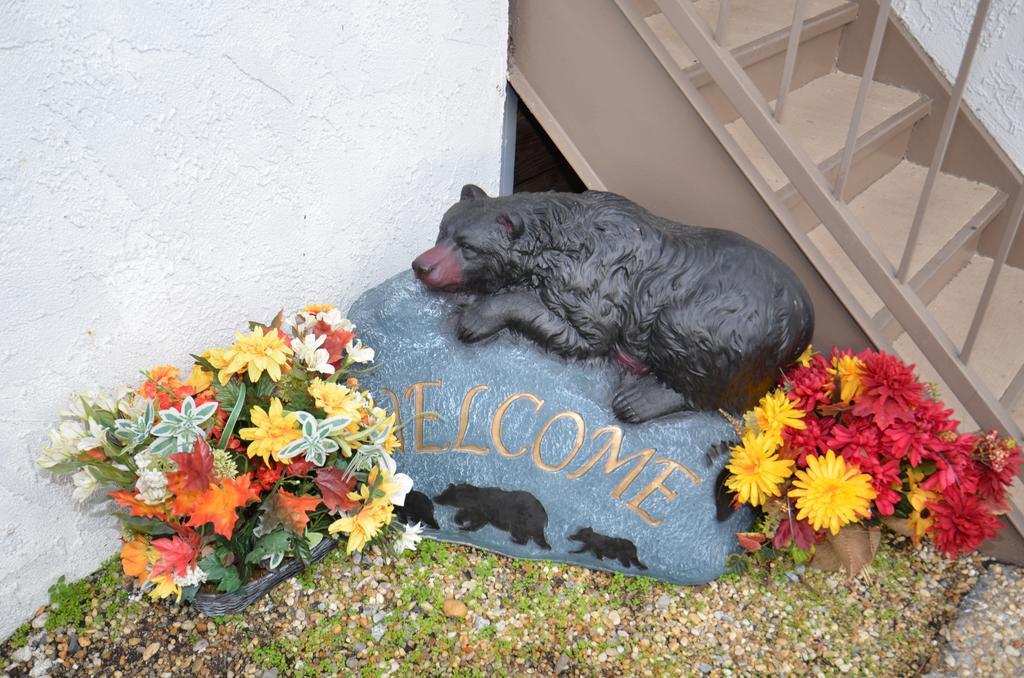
(97, 434)
(85, 484)
(308, 351)
(194, 576)
(63, 444)
(403, 481)
(408, 540)
(132, 406)
(305, 321)
(152, 487)
(358, 353)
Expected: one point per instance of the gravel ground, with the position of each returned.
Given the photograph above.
(454, 610)
(987, 637)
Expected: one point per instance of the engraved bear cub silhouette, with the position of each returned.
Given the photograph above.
(418, 509)
(603, 546)
(519, 513)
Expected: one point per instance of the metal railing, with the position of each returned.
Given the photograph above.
(826, 200)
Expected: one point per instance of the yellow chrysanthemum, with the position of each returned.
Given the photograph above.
(830, 494)
(849, 369)
(774, 412)
(255, 353)
(756, 471)
(271, 431)
(363, 526)
(805, 358)
(215, 356)
(335, 400)
(200, 379)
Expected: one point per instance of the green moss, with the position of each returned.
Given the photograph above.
(20, 636)
(273, 656)
(68, 603)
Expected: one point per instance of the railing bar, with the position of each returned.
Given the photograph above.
(942, 143)
(1005, 243)
(723, 19)
(862, 96)
(790, 64)
(1014, 390)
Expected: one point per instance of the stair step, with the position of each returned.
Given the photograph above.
(998, 355)
(959, 209)
(757, 35)
(818, 116)
(752, 25)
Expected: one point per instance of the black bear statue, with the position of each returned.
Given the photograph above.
(698, 318)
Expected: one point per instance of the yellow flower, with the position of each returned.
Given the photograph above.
(164, 586)
(335, 400)
(200, 379)
(849, 369)
(254, 353)
(215, 356)
(271, 432)
(919, 498)
(831, 494)
(363, 526)
(919, 525)
(774, 413)
(805, 358)
(313, 309)
(756, 471)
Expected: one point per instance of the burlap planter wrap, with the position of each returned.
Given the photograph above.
(216, 604)
(851, 550)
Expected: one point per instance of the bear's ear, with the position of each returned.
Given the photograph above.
(513, 226)
(472, 192)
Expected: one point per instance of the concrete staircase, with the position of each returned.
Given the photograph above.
(947, 270)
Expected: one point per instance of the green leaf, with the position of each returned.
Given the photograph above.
(204, 363)
(301, 547)
(108, 474)
(65, 467)
(149, 526)
(236, 411)
(228, 394)
(265, 386)
(275, 542)
(227, 575)
(314, 539)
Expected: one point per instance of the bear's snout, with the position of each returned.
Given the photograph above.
(438, 267)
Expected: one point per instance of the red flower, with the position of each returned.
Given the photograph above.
(298, 467)
(998, 463)
(809, 441)
(961, 522)
(890, 392)
(811, 386)
(954, 465)
(855, 435)
(266, 476)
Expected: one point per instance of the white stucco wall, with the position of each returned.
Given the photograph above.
(995, 90)
(171, 169)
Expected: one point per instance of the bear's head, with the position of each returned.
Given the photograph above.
(583, 534)
(451, 494)
(474, 247)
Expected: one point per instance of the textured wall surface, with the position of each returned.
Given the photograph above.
(995, 90)
(171, 169)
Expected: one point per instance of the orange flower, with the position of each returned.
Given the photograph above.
(137, 557)
(164, 386)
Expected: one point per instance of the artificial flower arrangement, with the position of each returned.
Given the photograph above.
(850, 441)
(267, 446)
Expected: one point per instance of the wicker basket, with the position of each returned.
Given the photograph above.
(216, 604)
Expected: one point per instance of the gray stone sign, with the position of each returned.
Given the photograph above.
(518, 451)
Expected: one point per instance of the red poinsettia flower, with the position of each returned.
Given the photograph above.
(890, 391)
(962, 522)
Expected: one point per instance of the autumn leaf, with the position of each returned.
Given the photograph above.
(195, 468)
(137, 507)
(219, 503)
(286, 509)
(751, 541)
(176, 555)
(334, 488)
